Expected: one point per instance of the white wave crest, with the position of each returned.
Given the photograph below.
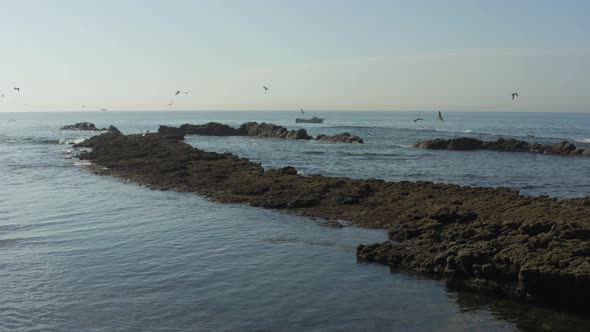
(82, 163)
(71, 141)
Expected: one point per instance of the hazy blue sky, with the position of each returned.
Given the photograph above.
(319, 55)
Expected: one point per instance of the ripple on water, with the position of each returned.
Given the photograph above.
(88, 253)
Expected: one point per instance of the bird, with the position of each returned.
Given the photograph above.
(514, 94)
(440, 117)
(301, 109)
(265, 88)
(179, 92)
(83, 106)
(418, 119)
(2, 95)
(103, 109)
(171, 102)
(17, 89)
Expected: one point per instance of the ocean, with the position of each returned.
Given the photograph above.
(81, 252)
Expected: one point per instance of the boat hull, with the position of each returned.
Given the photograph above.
(312, 120)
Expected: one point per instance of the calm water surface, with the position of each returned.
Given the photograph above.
(80, 252)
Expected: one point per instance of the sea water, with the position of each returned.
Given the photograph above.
(80, 252)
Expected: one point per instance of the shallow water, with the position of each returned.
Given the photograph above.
(88, 253)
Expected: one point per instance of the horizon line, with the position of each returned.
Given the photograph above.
(309, 110)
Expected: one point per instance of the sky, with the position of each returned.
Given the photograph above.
(313, 54)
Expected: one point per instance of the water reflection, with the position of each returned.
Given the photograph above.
(525, 316)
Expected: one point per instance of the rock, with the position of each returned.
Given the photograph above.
(289, 170)
(298, 134)
(84, 126)
(113, 129)
(436, 144)
(253, 129)
(464, 143)
(561, 148)
(173, 131)
(340, 138)
(210, 129)
(511, 145)
(495, 240)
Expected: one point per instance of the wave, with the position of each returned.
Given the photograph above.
(82, 163)
(72, 141)
(27, 140)
(582, 140)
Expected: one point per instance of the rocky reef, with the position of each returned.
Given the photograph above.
(340, 138)
(563, 148)
(485, 239)
(88, 126)
(254, 129)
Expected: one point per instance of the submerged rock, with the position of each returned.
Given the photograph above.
(485, 239)
(511, 145)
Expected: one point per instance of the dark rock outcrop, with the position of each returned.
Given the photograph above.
(84, 126)
(564, 148)
(270, 130)
(88, 126)
(340, 138)
(254, 129)
(113, 129)
(210, 129)
(486, 239)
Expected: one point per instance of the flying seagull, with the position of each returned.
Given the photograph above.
(265, 88)
(171, 102)
(103, 109)
(179, 92)
(301, 109)
(418, 119)
(2, 95)
(514, 94)
(440, 117)
(17, 89)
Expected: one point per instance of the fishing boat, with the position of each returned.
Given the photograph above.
(314, 119)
